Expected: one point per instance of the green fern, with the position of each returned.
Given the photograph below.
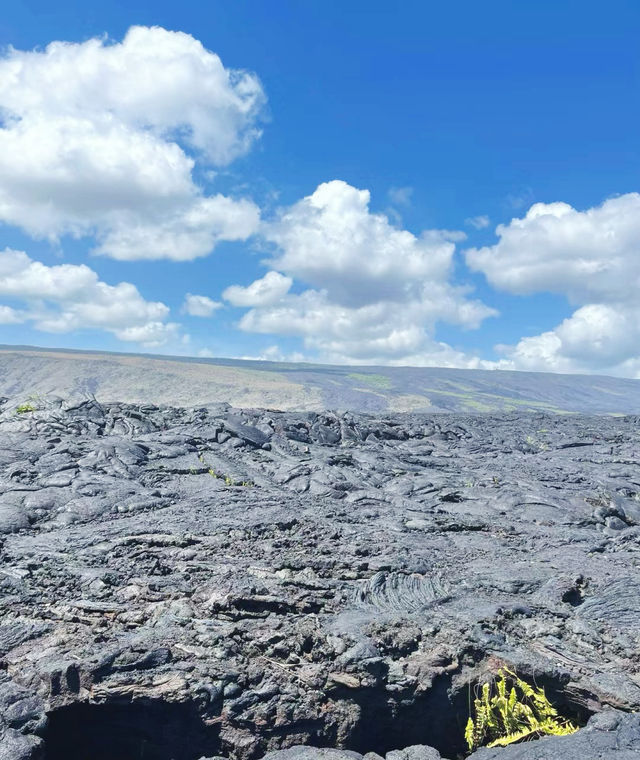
(470, 733)
(510, 710)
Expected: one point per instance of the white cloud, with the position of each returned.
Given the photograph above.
(274, 354)
(94, 139)
(154, 79)
(150, 334)
(592, 257)
(595, 338)
(199, 306)
(479, 222)
(331, 240)
(9, 316)
(376, 292)
(378, 333)
(263, 292)
(69, 297)
(186, 234)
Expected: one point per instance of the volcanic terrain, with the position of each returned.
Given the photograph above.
(179, 583)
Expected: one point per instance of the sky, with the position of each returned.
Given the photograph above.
(418, 183)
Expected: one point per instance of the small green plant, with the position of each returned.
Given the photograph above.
(25, 408)
(30, 405)
(536, 444)
(509, 711)
(228, 480)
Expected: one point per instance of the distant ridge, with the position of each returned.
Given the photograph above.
(191, 381)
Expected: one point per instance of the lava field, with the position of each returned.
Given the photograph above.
(178, 584)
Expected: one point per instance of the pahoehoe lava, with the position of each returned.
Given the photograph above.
(185, 583)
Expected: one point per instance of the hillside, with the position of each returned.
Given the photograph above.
(178, 381)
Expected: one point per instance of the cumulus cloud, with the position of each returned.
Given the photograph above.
(592, 257)
(263, 292)
(183, 235)
(199, 306)
(69, 297)
(595, 338)
(101, 139)
(331, 240)
(588, 255)
(374, 292)
(378, 333)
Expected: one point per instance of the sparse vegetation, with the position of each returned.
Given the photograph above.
(536, 444)
(228, 480)
(510, 710)
(25, 408)
(30, 405)
(375, 381)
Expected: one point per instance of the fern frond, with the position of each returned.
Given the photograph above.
(469, 734)
(516, 736)
(514, 712)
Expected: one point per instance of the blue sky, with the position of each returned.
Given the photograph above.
(354, 128)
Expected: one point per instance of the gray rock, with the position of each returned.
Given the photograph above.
(16, 746)
(312, 753)
(416, 752)
(163, 574)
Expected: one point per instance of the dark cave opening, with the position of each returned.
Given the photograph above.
(436, 718)
(156, 730)
(139, 730)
